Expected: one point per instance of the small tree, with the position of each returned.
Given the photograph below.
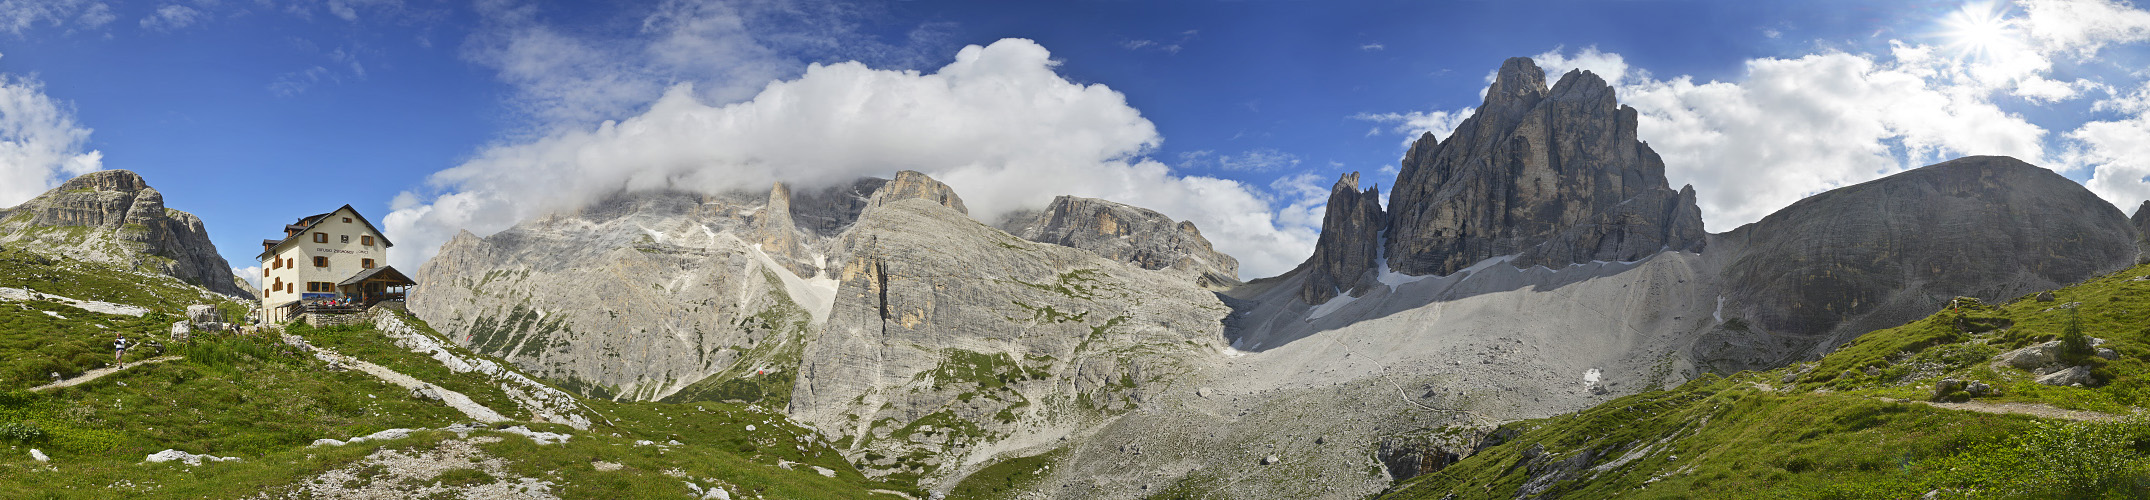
(2074, 345)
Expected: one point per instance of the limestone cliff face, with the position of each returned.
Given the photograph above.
(114, 217)
(950, 342)
(779, 236)
(911, 184)
(1345, 257)
(2141, 221)
(1134, 235)
(635, 297)
(828, 211)
(1877, 254)
(1555, 176)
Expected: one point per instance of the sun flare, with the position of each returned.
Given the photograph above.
(1979, 30)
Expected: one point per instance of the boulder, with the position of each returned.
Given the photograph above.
(2045, 296)
(2037, 358)
(2071, 376)
(199, 314)
(180, 332)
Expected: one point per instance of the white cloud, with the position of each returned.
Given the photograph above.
(1169, 47)
(171, 17)
(40, 143)
(1373, 47)
(998, 124)
(560, 77)
(1306, 198)
(1415, 123)
(2117, 151)
(1256, 160)
(2083, 27)
(1795, 127)
(19, 15)
(252, 275)
(1608, 66)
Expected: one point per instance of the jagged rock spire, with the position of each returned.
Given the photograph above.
(1555, 176)
(1349, 246)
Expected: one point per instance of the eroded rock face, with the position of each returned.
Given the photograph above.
(1134, 235)
(911, 184)
(780, 237)
(1345, 256)
(114, 217)
(635, 297)
(1895, 249)
(827, 211)
(2141, 221)
(1555, 175)
(950, 341)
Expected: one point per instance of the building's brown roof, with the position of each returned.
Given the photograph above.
(388, 273)
(312, 220)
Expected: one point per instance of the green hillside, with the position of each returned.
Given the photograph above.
(265, 402)
(1865, 421)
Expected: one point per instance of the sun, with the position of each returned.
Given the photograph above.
(1979, 30)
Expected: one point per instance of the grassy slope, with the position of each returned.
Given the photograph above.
(1838, 430)
(254, 398)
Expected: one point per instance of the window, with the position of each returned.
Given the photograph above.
(320, 287)
(365, 240)
(276, 263)
(278, 287)
(320, 237)
(264, 273)
(365, 263)
(320, 261)
(346, 238)
(347, 220)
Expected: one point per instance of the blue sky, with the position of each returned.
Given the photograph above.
(438, 116)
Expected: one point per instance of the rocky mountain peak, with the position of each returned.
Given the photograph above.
(1552, 176)
(106, 180)
(114, 217)
(1345, 255)
(1518, 85)
(2141, 221)
(913, 184)
(1891, 250)
(779, 237)
(1132, 234)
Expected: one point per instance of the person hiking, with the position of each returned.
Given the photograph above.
(119, 350)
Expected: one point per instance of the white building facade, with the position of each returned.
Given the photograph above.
(336, 258)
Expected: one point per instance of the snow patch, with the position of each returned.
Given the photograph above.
(1381, 261)
(1719, 315)
(1331, 306)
